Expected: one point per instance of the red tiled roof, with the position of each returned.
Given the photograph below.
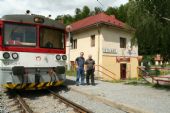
(99, 18)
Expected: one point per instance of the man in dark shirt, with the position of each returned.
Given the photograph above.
(80, 68)
(90, 68)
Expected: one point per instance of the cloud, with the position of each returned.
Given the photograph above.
(53, 7)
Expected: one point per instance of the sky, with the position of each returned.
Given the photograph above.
(53, 7)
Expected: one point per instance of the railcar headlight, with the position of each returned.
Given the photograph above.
(58, 57)
(64, 57)
(15, 55)
(38, 20)
(6, 55)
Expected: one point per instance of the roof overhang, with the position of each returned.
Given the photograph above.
(100, 24)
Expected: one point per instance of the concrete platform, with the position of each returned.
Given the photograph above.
(137, 99)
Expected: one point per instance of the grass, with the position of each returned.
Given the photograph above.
(144, 83)
(121, 81)
(71, 73)
(113, 81)
(164, 72)
(137, 82)
(161, 87)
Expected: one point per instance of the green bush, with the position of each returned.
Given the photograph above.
(154, 72)
(164, 72)
(71, 73)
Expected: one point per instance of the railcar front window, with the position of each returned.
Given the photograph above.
(19, 35)
(51, 38)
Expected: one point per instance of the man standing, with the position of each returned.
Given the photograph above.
(80, 68)
(90, 68)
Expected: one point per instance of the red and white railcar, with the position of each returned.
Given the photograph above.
(32, 52)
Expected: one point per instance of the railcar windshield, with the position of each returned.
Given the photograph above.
(51, 38)
(19, 35)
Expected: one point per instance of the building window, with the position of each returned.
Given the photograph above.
(122, 42)
(92, 40)
(74, 44)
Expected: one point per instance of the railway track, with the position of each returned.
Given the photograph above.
(22, 106)
(76, 107)
(25, 108)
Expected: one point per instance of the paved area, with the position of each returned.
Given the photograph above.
(89, 103)
(143, 98)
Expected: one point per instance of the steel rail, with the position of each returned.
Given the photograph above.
(75, 106)
(23, 104)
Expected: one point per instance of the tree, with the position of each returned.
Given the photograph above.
(85, 12)
(151, 29)
(97, 10)
(112, 11)
(65, 19)
(78, 14)
(68, 19)
(122, 13)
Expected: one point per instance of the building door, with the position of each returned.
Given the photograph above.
(123, 71)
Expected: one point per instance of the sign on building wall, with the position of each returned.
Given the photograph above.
(131, 52)
(110, 50)
(123, 59)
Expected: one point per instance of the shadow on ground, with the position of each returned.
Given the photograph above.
(156, 86)
(70, 82)
(34, 94)
(162, 87)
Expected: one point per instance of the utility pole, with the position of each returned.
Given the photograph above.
(68, 29)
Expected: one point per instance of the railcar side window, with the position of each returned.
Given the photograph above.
(19, 35)
(51, 38)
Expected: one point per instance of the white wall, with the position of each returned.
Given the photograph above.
(112, 41)
(84, 45)
(108, 37)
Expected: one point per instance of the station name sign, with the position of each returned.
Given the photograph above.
(110, 50)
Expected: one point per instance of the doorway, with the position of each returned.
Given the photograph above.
(123, 71)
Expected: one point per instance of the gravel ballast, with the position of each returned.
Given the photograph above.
(89, 103)
(7, 105)
(47, 104)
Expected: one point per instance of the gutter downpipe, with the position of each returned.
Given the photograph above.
(98, 52)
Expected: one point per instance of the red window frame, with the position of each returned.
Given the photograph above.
(35, 49)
